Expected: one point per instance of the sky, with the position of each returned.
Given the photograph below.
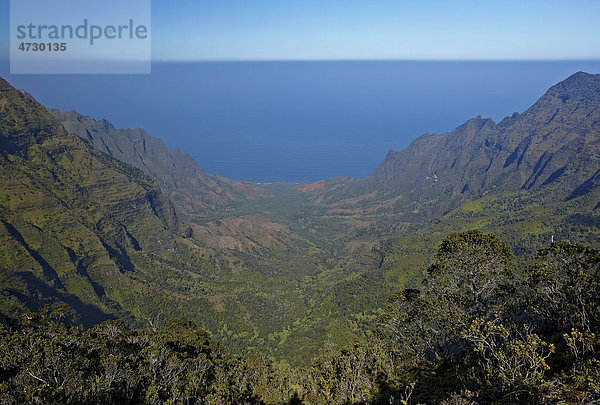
(202, 30)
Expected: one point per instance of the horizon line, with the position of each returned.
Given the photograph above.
(214, 60)
(321, 60)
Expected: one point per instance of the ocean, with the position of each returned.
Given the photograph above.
(299, 121)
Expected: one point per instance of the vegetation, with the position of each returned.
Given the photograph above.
(278, 266)
(293, 279)
(45, 361)
(479, 329)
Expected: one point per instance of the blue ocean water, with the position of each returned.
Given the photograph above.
(300, 121)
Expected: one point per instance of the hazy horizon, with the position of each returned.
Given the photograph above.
(301, 121)
(305, 90)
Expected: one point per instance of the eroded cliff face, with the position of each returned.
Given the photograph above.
(553, 149)
(71, 218)
(556, 141)
(190, 188)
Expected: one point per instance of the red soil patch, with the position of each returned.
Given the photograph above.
(319, 185)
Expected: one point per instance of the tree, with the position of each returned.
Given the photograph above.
(471, 277)
(564, 287)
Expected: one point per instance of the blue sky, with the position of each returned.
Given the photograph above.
(369, 29)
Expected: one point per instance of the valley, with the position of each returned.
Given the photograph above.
(280, 268)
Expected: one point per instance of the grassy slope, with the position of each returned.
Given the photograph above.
(80, 227)
(348, 273)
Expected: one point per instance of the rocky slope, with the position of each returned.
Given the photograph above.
(553, 148)
(71, 219)
(192, 190)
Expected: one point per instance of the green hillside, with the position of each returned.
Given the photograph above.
(79, 226)
(280, 269)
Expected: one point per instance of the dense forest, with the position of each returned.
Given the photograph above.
(481, 327)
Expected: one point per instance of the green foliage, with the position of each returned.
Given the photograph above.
(470, 333)
(508, 341)
(470, 277)
(273, 266)
(279, 271)
(511, 360)
(44, 361)
(567, 286)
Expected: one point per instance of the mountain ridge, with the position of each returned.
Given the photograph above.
(537, 149)
(299, 264)
(72, 219)
(190, 188)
